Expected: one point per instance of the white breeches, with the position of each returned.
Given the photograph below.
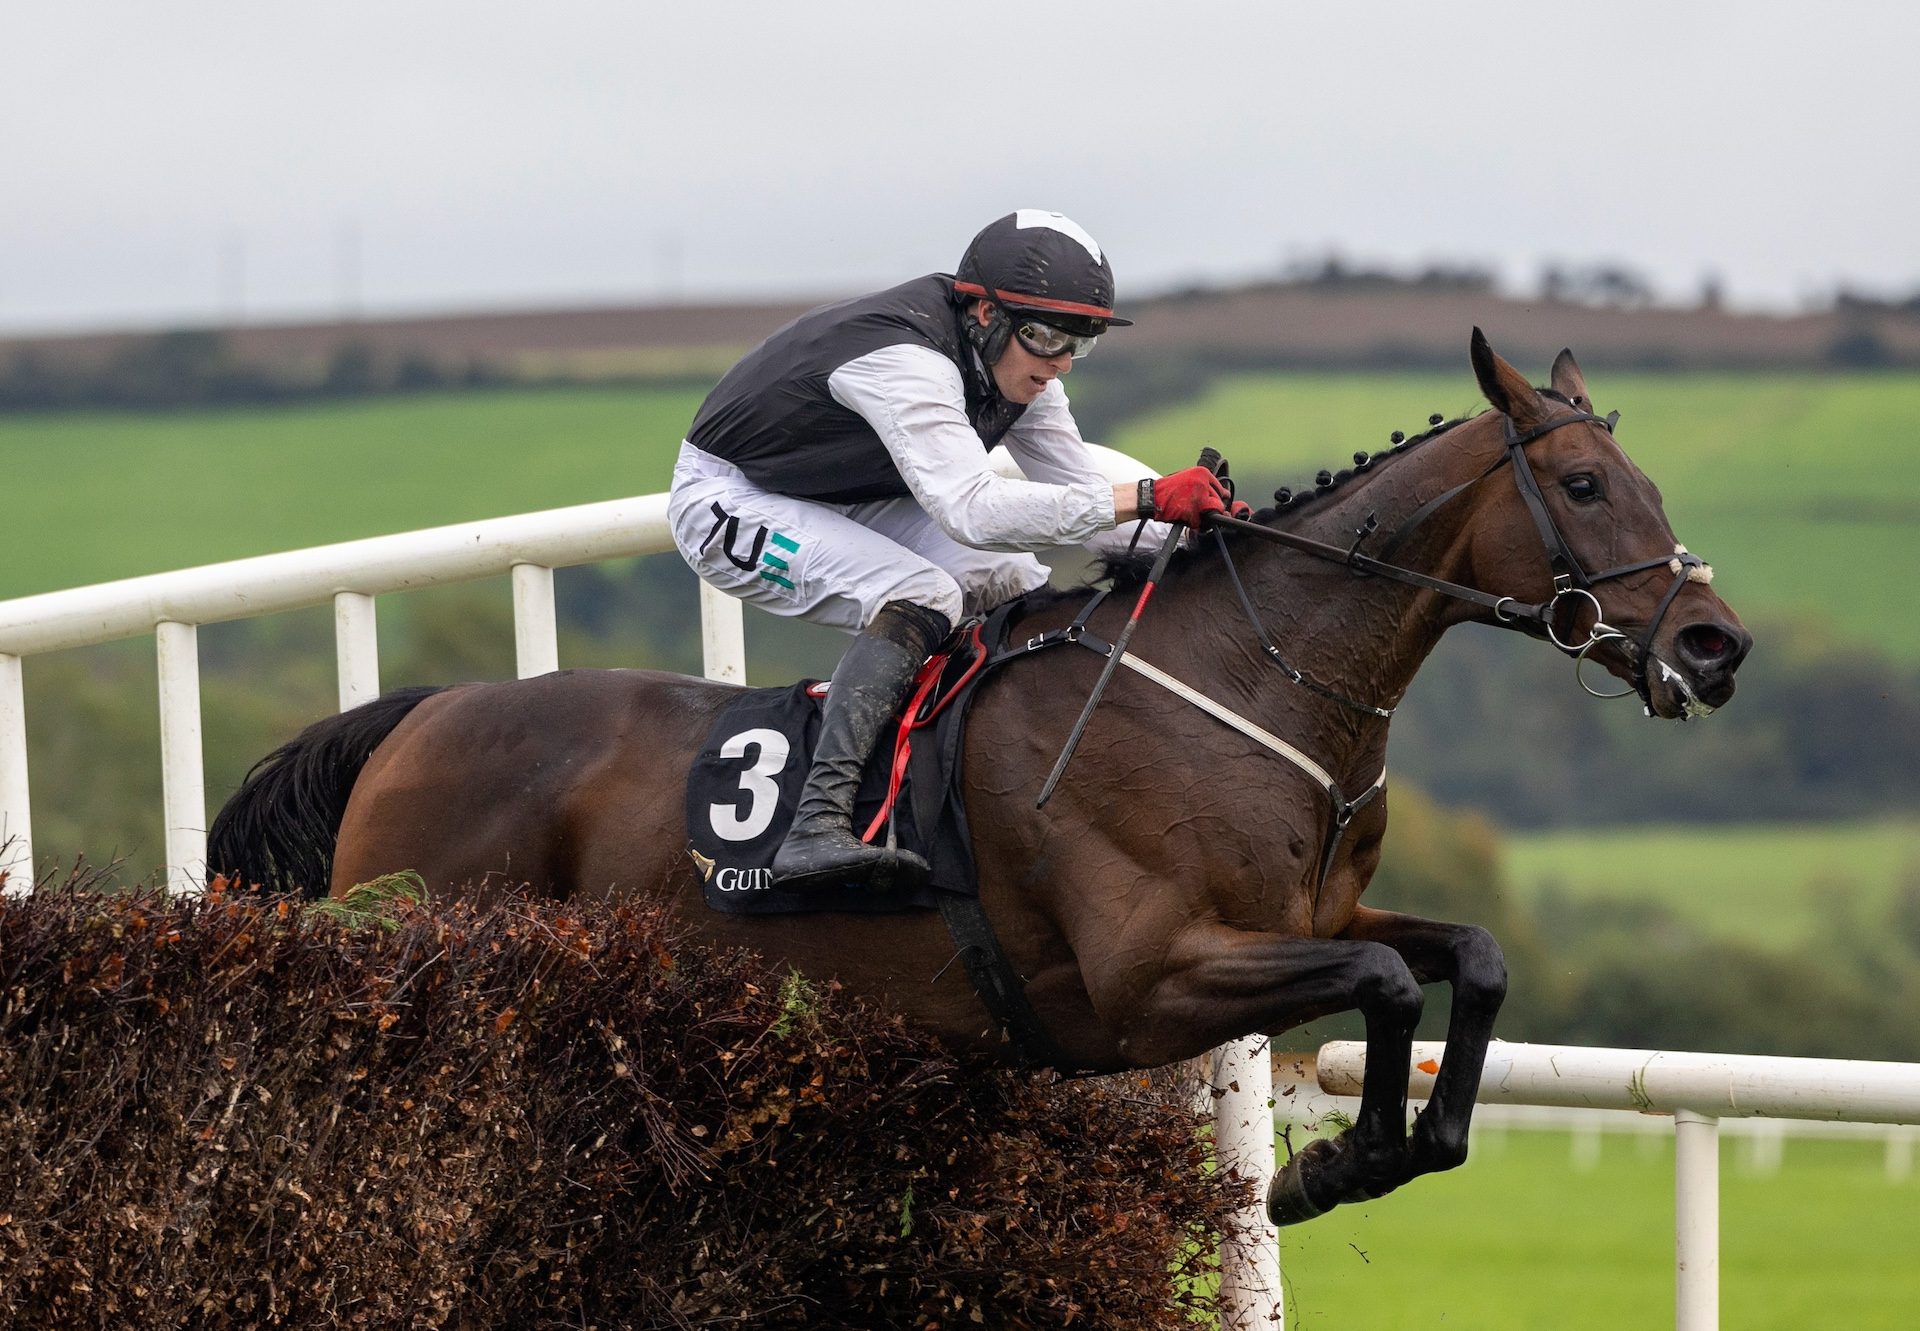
(833, 564)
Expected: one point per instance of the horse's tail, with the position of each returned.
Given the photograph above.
(278, 830)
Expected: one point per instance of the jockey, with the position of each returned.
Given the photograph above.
(839, 473)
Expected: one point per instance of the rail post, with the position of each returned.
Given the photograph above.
(16, 821)
(183, 781)
(536, 634)
(356, 649)
(1696, 1221)
(723, 636)
(1242, 1076)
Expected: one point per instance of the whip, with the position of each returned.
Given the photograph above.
(1210, 459)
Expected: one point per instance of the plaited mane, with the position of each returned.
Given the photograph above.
(1131, 570)
(1287, 501)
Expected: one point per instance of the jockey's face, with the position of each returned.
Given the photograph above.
(1020, 375)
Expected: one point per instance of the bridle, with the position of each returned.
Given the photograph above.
(1571, 582)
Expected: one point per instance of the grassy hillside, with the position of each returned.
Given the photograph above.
(108, 495)
(1517, 1240)
(1803, 490)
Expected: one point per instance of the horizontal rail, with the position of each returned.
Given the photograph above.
(268, 584)
(1652, 1081)
(1697, 1090)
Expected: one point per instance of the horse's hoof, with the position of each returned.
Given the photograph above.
(1289, 1202)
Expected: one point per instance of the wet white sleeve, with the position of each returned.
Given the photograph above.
(913, 398)
(1046, 442)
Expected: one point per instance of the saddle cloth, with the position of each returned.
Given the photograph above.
(746, 782)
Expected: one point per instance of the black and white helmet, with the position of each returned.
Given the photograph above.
(1043, 265)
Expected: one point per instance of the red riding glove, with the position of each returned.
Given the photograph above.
(1185, 497)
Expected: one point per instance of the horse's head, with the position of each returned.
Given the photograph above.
(1582, 534)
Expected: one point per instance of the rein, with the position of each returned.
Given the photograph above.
(1570, 580)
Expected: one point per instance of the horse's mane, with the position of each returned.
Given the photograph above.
(1131, 570)
(1287, 502)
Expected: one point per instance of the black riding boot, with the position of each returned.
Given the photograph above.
(869, 685)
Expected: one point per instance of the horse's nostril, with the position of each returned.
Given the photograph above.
(1709, 644)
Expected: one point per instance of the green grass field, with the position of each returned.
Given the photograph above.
(1517, 1240)
(105, 495)
(1771, 885)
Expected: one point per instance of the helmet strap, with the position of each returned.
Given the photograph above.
(989, 339)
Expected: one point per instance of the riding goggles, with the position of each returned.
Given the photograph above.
(1046, 341)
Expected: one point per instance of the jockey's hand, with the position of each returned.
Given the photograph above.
(1241, 509)
(1188, 496)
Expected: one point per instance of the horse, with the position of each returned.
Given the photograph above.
(1196, 877)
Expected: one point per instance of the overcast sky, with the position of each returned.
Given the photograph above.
(196, 159)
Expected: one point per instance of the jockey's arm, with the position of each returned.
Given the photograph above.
(913, 398)
(1046, 442)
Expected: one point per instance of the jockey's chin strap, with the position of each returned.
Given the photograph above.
(1571, 582)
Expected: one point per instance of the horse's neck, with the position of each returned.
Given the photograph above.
(1363, 638)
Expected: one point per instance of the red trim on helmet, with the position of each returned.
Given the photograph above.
(1034, 302)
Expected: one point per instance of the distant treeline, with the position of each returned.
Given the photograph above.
(204, 367)
(199, 367)
(1815, 731)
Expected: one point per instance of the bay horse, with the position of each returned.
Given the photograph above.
(1189, 883)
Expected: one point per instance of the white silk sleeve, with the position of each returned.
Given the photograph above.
(913, 398)
(1046, 442)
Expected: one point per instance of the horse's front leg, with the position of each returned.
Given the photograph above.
(1219, 983)
(1466, 957)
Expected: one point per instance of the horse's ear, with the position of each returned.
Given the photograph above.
(1567, 381)
(1505, 387)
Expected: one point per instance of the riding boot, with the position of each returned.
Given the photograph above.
(869, 685)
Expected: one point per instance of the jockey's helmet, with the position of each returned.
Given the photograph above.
(1041, 265)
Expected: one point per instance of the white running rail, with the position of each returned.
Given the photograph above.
(172, 606)
(1697, 1090)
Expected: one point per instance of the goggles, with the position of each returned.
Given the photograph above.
(1046, 341)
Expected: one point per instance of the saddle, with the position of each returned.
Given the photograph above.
(746, 781)
(745, 784)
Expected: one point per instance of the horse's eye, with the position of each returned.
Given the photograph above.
(1583, 488)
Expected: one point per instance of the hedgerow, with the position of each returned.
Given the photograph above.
(238, 1112)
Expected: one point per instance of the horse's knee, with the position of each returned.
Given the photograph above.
(1480, 976)
(1386, 989)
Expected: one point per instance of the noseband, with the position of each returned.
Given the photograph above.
(1571, 581)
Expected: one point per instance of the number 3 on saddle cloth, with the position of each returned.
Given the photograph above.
(746, 781)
